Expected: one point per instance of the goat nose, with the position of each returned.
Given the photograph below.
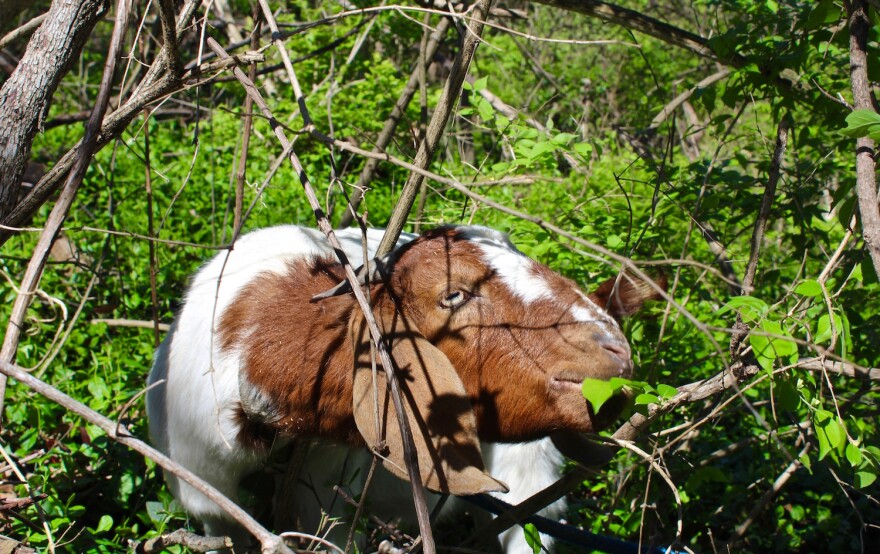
(618, 350)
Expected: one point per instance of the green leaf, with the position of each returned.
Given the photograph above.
(824, 445)
(824, 329)
(614, 241)
(865, 478)
(105, 524)
(583, 148)
(485, 109)
(541, 148)
(860, 123)
(156, 512)
(808, 463)
(809, 287)
(533, 538)
(481, 83)
(646, 398)
(666, 391)
(597, 391)
(787, 397)
(563, 138)
(853, 455)
(836, 433)
(829, 432)
(751, 308)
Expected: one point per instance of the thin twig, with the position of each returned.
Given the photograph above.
(761, 224)
(448, 98)
(151, 231)
(22, 31)
(391, 123)
(247, 125)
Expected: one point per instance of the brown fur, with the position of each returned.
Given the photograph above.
(296, 351)
(519, 364)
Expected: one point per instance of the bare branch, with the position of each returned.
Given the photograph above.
(741, 330)
(637, 21)
(683, 97)
(387, 133)
(767, 200)
(169, 34)
(24, 30)
(866, 177)
(450, 94)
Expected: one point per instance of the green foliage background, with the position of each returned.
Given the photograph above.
(596, 103)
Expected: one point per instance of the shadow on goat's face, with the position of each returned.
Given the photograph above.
(521, 337)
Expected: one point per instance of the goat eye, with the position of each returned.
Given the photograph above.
(455, 299)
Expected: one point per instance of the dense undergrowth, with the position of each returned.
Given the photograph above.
(594, 168)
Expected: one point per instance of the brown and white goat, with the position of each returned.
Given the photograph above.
(489, 345)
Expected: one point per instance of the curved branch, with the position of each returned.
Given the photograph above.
(119, 433)
(637, 21)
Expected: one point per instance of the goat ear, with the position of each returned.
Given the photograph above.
(440, 415)
(625, 294)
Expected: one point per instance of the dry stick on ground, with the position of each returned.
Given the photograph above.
(118, 432)
(387, 133)
(761, 224)
(59, 212)
(25, 96)
(157, 83)
(182, 537)
(163, 327)
(866, 178)
(449, 95)
(409, 453)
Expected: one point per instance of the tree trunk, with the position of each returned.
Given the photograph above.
(25, 97)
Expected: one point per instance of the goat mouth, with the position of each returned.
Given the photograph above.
(564, 383)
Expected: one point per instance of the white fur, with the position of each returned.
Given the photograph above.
(191, 414)
(515, 269)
